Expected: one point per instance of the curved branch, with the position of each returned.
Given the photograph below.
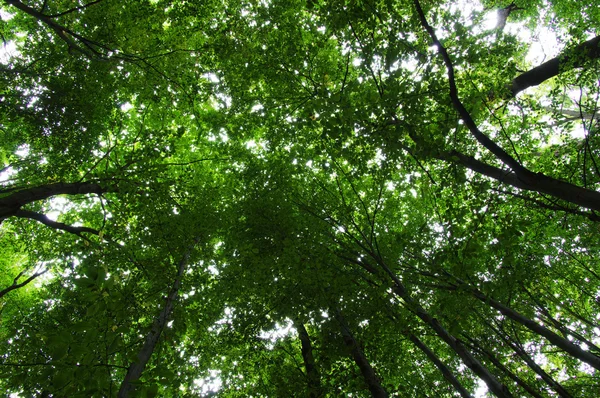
(55, 224)
(17, 285)
(532, 181)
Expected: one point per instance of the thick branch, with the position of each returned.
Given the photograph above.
(533, 181)
(542, 184)
(63, 32)
(135, 370)
(9, 205)
(441, 367)
(569, 59)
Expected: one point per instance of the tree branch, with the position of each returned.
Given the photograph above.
(75, 9)
(16, 285)
(569, 59)
(55, 224)
(12, 203)
(527, 179)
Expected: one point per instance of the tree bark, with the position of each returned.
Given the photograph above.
(441, 366)
(11, 204)
(494, 385)
(567, 60)
(55, 224)
(312, 373)
(136, 368)
(377, 390)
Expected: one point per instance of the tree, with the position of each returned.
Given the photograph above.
(316, 199)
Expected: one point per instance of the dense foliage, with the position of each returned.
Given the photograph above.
(299, 198)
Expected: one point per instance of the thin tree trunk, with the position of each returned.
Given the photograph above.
(503, 368)
(312, 373)
(447, 373)
(572, 349)
(136, 368)
(556, 386)
(413, 305)
(361, 360)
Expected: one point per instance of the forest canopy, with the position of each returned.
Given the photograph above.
(386, 198)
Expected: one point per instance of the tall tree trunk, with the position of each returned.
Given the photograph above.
(361, 360)
(136, 368)
(495, 386)
(572, 349)
(556, 386)
(312, 373)
(441, 366)
(524, 385)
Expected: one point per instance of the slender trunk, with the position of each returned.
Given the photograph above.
(12, 203)
(503, 368)
(567, 60)
(312, 373)
(468, 359)
(494, 385)
(556, 386)
(136, 368)
(447, 373)
(377, 390)
(572, 349)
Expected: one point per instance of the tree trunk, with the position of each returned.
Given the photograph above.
(361, 360)
(532, 181)
(136, 368)
(572, 349)
(556, 386)
(503, 368)
(441, 366)
(312, 373)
